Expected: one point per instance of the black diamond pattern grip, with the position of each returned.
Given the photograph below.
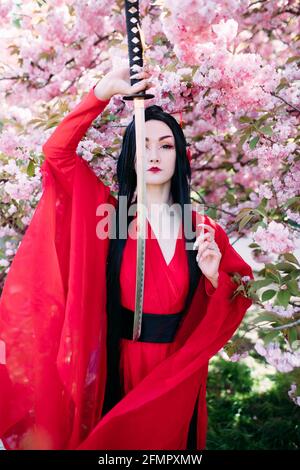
(135, 45)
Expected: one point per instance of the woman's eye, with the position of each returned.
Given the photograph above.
(167, 146)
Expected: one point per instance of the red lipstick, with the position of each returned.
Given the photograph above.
(154, 169)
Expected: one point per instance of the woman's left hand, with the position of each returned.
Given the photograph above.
(209, 255)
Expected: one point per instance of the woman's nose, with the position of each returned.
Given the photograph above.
(152, 155)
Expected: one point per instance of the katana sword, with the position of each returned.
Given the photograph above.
(136, 48)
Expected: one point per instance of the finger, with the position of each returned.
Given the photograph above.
(203, 247)
(140, 85)
(200, 238)
(216, 247)
(203, 256)
(206, 253)
(205, 236)
(207, 227)
(143, 74)
(138, 69)
(212, 248)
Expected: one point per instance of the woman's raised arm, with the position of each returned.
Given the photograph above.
(60, 148)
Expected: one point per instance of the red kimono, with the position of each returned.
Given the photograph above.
(165, 291)
(53, 321)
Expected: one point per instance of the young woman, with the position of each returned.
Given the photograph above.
(73, 378)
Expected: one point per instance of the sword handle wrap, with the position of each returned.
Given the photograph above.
(135, 45)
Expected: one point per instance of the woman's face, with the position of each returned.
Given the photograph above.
(160, 152)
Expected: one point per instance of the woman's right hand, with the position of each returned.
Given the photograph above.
(117, 81)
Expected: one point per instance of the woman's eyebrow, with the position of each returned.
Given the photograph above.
(161, 138)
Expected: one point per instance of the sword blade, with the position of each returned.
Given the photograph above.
(139, 111)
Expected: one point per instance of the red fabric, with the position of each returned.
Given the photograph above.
(165, 290)
(53, 323)
(189, 154)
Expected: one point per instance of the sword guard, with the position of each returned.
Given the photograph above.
(145, 96)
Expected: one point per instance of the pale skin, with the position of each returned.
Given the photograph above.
(161, 153)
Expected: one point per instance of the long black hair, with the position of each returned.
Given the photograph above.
(127, 180)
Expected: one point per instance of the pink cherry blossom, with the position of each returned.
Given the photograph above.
(283, 312)
(283, 361)
(226, 30)
(274, 238)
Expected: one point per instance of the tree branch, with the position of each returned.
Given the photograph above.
(284, 101)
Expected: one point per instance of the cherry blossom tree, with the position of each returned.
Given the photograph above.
(232, 68)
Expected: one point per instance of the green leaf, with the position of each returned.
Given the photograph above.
(291, 201)
(227, 165)
(242, 213)
(295, 274)
(245, 119)
(253, 142)
(291, 258)
(283, 83)
(111, 117)
(275, 276)
(271, 266)
(53, 121)
(283, 297)
(230, 198)
(243, 139)
(263, 203)
(262, 118)
(253, 245)
(292, 222)
(267, 130)
(30, 168)
(97, 151)
(286, 267)
(230, 349)
(267, 316)
(260, 212)
(292, 335)
(270, 271)
(261, 283)
(293, 287)
(171, 96)
(34, 121)
(259, 223)
(17, 22)
(268, 294)
(293, 59)
(270, 336)
(245, 220)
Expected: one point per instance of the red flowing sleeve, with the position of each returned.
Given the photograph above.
(51, 324)
(209, 288)
(165, 398)
(60, 148)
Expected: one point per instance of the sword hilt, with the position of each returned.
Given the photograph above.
(136, 45)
